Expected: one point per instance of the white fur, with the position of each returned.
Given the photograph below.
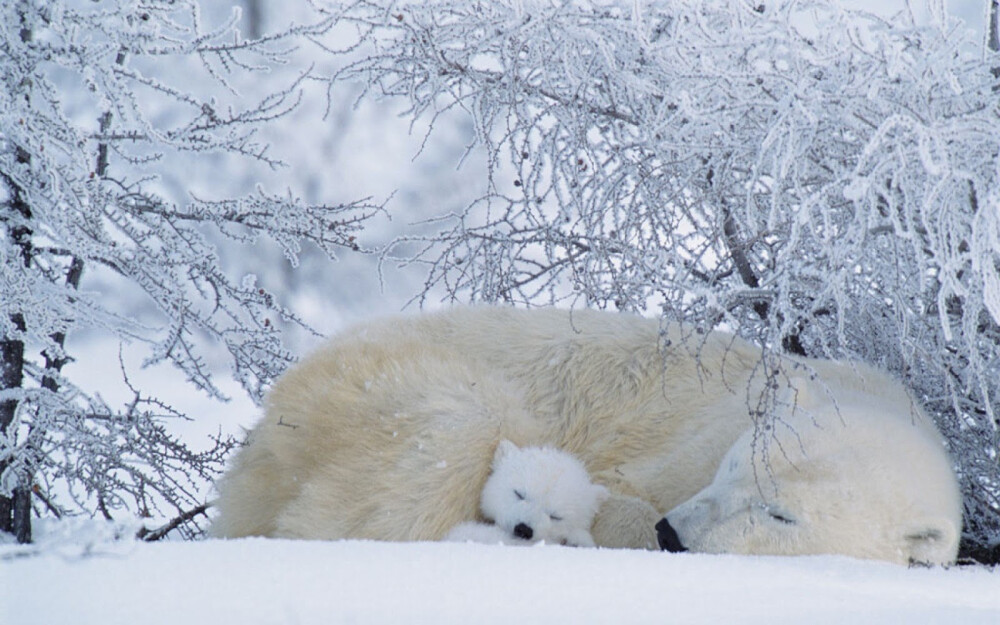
(844, 474)
(486, 533)
(388, 432)
(535, 494)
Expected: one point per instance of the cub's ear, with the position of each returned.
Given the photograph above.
(932, 541)
(601, 493)
(504, 449)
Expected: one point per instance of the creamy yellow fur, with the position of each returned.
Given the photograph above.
(388, 431)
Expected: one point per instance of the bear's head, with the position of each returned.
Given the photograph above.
(541, 494)
(859, 471)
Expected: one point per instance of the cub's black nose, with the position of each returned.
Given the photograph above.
(523, 531)
(667, 537)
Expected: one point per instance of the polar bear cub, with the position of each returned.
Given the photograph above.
(535, 494)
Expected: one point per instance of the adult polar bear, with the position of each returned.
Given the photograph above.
(388, 433)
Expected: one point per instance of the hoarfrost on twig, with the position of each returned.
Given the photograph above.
(94, 98)
(821, 181)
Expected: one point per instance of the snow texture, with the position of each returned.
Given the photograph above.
(268, 581)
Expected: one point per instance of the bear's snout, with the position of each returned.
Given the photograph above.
(667, 536)
(523, 531)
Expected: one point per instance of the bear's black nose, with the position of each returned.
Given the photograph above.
(666, 535)
(523, 531)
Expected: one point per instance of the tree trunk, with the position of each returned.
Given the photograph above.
(11, 376)
(254, 18)
(993, 33)
(15, 510)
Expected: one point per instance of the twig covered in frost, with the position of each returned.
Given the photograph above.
(822, 181)
(93, 98)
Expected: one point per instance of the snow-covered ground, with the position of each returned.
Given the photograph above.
(274, 582)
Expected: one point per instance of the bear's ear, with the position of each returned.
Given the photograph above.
(802, 392)
(504, 449)
(931, 541)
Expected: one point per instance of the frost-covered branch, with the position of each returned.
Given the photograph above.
(821, 181)
(94, 100)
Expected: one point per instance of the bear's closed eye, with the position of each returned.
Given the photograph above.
(781, 518)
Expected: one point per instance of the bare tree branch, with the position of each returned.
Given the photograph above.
(93, 101)
(811, 177)
(149, 535)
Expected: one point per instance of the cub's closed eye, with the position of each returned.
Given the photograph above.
(519, 494)
(555, 517)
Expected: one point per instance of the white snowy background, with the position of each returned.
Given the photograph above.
(83, 573)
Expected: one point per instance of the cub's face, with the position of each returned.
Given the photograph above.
(541, 494)
(859, 485)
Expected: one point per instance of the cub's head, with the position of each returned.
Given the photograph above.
(864, 475)
(541, 494)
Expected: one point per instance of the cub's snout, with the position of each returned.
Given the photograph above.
(523, 531)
